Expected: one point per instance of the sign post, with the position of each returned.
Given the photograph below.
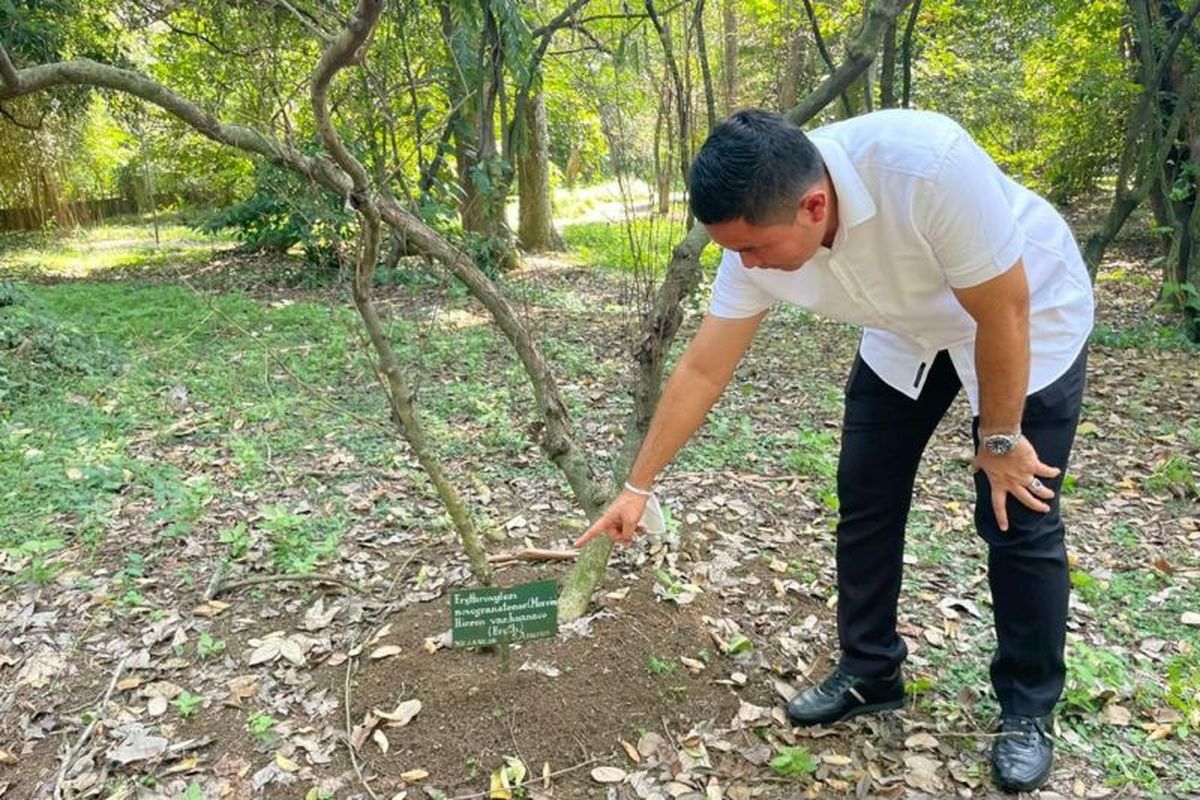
(504, 615)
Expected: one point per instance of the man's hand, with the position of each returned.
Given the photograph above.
(620, 521)
(1016, 473)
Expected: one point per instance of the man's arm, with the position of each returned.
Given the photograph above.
(694, 386)
(1000, 308)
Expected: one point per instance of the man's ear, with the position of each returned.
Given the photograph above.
(813, 206)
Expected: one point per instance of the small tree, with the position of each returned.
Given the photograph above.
(337, 170)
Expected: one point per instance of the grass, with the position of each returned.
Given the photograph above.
(70, 445)
(641, 246)
(117, 246)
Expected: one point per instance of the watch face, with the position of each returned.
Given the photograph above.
(999, 445)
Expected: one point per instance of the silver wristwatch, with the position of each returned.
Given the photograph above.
(1000, 444)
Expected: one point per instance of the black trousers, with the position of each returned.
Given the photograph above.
(883, 437)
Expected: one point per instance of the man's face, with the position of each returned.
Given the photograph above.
(785, 245)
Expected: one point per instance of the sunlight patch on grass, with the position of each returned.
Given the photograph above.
(105, 248)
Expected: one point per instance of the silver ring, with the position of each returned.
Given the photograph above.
(1036, 484)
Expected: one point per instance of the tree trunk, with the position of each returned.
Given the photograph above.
(710, 102)
(823, 49)
(1148, 139)
(483, 186)
(908, 55)
(574, 166)
(662, 160)
(536, 227)
(729, 71)
(1188, 283)
(662, 324)
(793, 69)
(887, 68)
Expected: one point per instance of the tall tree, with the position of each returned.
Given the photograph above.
(729, 39)
(535, 230)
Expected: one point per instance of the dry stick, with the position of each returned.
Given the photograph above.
(536, 555)
(350, 731)
(387, 596)
(314, 577)
(73, 753)
(533, 781)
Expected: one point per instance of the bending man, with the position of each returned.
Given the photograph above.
(961, 279)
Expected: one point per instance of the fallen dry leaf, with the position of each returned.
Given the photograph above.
(381, 741)
(157, 706)
(922, 774)
(608, 775)
(138, 746)
(243, 687)
(1114, 714)
(385, 651)
(414, 776)
(359, 735)
(921, 741)
(402, 715)
(40, 667)
(210, 609)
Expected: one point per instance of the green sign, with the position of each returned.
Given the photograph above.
(515, 614)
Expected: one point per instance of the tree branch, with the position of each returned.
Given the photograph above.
(521, 103)
(343, 51)
(858, 57)
(34, 127)
(557, 439)
(823, 49)
(85, 72)
(305, 20)
(8, 73)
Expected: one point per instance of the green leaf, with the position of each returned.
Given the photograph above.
(793, 762)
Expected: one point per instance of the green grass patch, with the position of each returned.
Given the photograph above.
(641, 245)
(125, 371)
(104, 248)
(1146, 335)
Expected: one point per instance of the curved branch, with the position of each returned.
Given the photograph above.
(85, 72)
(341, 53)
(859, 56)
(8, 73)
(823, 49)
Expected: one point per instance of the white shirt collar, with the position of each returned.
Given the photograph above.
(855, 204)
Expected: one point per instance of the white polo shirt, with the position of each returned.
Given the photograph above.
(923, 209)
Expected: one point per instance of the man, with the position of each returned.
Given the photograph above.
(897, 221)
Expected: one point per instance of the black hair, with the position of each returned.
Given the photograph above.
(755, 166)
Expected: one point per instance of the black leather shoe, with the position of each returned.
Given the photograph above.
(841, 696)
(1022, 755)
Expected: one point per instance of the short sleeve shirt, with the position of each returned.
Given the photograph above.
(924, 210)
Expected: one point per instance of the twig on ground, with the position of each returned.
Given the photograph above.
(387, 596)
(532, 781)
(350, 731)
(73, 753)
(313, 577)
